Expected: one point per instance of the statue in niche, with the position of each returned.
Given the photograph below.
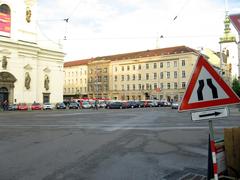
(4, 62)
(27, 80)
(46, 83)
(28, 15)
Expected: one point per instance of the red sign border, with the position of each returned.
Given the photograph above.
(185, 106)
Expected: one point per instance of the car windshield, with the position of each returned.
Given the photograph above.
(36, 104)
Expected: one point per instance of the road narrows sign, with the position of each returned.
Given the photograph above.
(206, 88)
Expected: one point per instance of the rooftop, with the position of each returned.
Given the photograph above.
(134, 55)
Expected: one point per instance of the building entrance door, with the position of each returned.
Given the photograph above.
(46, 97)
(3, 95)
(7, 81)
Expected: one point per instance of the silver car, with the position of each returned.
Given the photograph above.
(47, 106)
(175, 105)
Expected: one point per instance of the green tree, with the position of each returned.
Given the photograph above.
(236, 86)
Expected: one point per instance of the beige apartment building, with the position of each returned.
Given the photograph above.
(76, 79)
(152, 74)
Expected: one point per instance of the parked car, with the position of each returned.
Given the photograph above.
(12, 107)
(141, 104)
(155, 103)
(86, 105)
(149, 103)
(102, 104)
(132, 104)
(175, 105)
(47, 106)
(108, 103)
(164, 103)
(36, 106)
(115, 105)
(168, 104)
(22, 106)
(60, 106)
(124, 104)
(73, 105)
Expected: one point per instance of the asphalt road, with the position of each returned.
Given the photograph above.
(127, 144)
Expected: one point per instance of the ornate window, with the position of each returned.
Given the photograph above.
(5, 16)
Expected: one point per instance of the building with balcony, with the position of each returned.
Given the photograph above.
(98, 77)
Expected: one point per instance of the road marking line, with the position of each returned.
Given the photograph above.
(109, 127)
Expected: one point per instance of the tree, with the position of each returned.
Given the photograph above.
(236, 86)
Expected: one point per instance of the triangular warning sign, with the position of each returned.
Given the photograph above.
(206, 89)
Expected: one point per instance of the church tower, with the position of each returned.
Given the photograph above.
(228, 48)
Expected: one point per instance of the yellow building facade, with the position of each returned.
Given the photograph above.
(152, 74)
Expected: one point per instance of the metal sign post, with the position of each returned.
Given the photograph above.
(206, 89)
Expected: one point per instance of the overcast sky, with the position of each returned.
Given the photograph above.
(107, 27)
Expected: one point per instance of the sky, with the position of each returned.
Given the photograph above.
(107, 27)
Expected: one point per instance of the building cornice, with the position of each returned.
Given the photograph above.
(32, 49)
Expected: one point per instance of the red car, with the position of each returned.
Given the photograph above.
(22, 106)
(36, 106)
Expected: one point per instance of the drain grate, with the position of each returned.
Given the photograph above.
(193, 176)
(187, 174)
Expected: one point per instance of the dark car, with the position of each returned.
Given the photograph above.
(164, 103)
(107, 104)
(60, 106)
(132, 104)
(73, 105)
(141, 103)
(115, 105)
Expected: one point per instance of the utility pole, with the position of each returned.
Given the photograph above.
(96, 81)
